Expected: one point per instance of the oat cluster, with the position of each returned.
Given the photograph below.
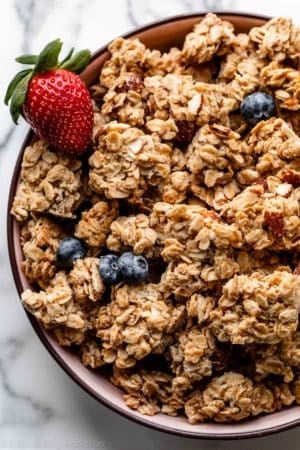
(176, 174)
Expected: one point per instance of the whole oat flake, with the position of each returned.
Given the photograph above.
(177, 174)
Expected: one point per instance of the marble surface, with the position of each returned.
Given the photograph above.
(40, 407)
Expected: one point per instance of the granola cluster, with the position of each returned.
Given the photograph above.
(50, 183)
(176, 174)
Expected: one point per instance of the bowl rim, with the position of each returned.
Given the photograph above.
(10, 220)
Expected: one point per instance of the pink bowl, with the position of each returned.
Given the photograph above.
(161, 35)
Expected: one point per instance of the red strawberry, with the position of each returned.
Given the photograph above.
(53, 99)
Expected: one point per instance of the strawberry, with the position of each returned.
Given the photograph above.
(53, 99)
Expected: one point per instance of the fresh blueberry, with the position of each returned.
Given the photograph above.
(258, 106)
(133, 268)
(109, 269)
(68, 251)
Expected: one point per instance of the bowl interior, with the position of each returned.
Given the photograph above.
(161, 36)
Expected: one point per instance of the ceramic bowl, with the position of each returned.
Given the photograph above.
(161, 35)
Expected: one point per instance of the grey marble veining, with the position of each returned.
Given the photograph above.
(40, 407)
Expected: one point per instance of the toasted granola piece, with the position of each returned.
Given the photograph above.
(94, 225)
(175, 187)
(268, 361)
(126, 161)
(292, 118)
(176, 99)
(138, 321)
(131, 56)
(166, 129)
(152, 391)
(157, 63)
(172, 96)
(217, 196)
(283, 394)
(56, 307)
(217, 103)
(286, 84)
(195, 227)
(91, 354)
(85, 280)
(123, 101)
(165, 214)
(277, 40)
(68, 336)
(191, 354)
(220, 266)
(200, 306)
(264, 260)
(212, 36)
(290, 350)
(127, 56)
(240, 69)
(217, 153)
(229, 398)
(40, 239)
(279, 359)
(134, 232)
(275, 143)
(267, 219)
(242, 59)
(258, 308)
(183, 279)
(50, 183)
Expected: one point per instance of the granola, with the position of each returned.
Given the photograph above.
(133, 232)
(257, 308)
(39, 240)
(50, 183)
(212, 36)
(56, 307)
(279, 359)
(278, 39)
(177, 175)
(126, 161)
(191, 354)
(94, 225)
(267, 214)
(230, 397)
(138, 320)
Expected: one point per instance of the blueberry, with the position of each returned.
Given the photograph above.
(68, 251)
(258, 106)
(133, 268)
(109, 269)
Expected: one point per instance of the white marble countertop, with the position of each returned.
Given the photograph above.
(40, 407)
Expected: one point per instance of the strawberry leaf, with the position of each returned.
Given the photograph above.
(27, 59)
(14, 83)
(19, 96)
(48, 58)
(67, 57)
(78, 62)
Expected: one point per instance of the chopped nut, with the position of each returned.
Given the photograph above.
(292, 178)
(275, 222)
